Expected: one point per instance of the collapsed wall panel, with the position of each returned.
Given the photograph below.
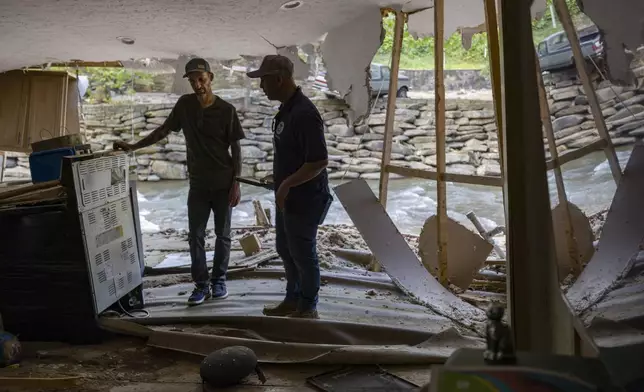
(398, 259)
(621, 239)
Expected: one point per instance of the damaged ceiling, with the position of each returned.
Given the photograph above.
(37, 32)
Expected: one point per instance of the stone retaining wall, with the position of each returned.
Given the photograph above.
(355, 152)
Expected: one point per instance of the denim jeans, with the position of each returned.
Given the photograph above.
(296, 240)
(201, 201)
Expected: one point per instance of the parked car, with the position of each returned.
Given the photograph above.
(555, 53)
(380, 77)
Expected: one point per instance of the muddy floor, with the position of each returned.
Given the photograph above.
(127, 365)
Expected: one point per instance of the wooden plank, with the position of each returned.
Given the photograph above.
(439, 99)
(448, 177)
(484, 234)
(569, 232)
(391, 105)
(21, 189)
(37, 195)
(124, 327)
(491, 26)
(4, 165)
(260, 215)
(531, 268)
(580, 63)
(576, 154)
(40, 383)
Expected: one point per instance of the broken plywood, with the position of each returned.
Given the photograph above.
(583, 236)
(621, 240)
(399, 261)
(466, 251)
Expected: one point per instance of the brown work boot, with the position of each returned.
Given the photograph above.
(282, 310)
(306, 314)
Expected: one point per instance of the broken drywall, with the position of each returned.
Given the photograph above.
(468, 16)
(300, 68)
(466, 251)
(622, 25)
(347, 53)
(458, 13)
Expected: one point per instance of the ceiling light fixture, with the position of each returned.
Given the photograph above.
(291, 5)
(126, 40)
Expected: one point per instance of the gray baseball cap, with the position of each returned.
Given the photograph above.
(274, 64)
(197, 65)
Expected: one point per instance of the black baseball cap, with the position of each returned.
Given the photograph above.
(197, 65)
(274, 64)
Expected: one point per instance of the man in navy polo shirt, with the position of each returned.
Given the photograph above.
(302, 194)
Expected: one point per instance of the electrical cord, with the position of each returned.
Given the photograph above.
(146, 313)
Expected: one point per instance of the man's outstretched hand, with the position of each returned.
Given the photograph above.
(121, 145)
(234, 195)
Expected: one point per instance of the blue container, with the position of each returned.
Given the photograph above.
(47, 165)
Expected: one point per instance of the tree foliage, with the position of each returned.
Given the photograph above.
(116, 80)
(420, 52)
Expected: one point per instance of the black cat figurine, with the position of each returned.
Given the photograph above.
(500, 349)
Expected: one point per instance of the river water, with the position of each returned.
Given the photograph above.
(589, 184)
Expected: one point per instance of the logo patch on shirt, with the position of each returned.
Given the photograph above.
(280, 128)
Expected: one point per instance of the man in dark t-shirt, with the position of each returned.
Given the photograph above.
(211, 127)
(302, 192)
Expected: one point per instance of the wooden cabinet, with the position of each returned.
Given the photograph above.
(36, 105)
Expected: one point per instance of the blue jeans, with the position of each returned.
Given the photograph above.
(296, 244)
(201, 202)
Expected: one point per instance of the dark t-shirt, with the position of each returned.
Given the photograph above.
(298, 138)
(209, 132)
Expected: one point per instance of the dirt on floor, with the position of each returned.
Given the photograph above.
(100, 367)
(597, 221)
(128, 365)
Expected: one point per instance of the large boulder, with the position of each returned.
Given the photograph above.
(567, 122)
(252, 152)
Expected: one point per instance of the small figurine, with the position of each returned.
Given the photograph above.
(500, 349)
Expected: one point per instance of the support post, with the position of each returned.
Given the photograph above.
(4, 164)
(391, 106)
(491, 26)
(580, 63)
(439, 99)
(561, 190)
(532, 276)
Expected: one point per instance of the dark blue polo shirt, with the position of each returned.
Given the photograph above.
(298, 138)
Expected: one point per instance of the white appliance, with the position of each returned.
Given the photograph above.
(108, 227)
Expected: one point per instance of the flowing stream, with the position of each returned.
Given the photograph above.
(589, 184)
